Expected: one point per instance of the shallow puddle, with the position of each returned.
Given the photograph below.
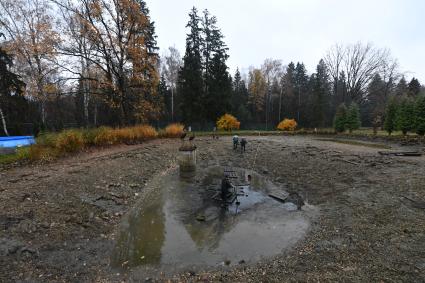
(184, 225)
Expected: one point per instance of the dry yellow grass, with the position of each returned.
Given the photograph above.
(174, 130)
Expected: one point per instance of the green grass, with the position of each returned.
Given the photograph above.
(22, 153)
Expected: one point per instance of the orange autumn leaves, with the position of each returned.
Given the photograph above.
(228, 122)
(287, 125)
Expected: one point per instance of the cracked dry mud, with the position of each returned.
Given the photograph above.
(59, 221)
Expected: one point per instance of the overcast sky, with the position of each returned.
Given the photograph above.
(301, 30)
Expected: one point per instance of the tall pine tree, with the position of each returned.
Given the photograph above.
(190, 84)
(319, 100)
(217, 81)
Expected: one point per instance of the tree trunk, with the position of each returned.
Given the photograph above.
(43, 112)
(3, 120)
(172, 104)
(299, 106)
(95, 114)
(280, 103)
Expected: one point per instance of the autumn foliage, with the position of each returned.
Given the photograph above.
(287, 125)
(70, 141)
(128, 135)
(174, 130)
(52, 145)
(228, 122)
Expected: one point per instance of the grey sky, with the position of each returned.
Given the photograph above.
(301, 30)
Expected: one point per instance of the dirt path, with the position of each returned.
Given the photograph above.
(58, 221)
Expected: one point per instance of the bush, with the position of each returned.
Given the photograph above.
(41, 153)
(420, 116)
(89, 135)
(353, 118)
(340, 119)
(228, 122)
(141, 133)
(109, 136)
(174, 130)
(47, 139)
(405, 117)
(287, 125)
(390, 116)
(105, 136)
(69, 141)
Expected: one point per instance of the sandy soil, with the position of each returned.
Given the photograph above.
(58, 221)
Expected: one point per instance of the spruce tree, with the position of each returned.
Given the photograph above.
(420, 115)
(401, 88)
(340, 119)
(301, 83)
(405, 119)
(414, 87)
(217, 80)
(390, 116)
(220, 89)
(320, 96)
(239, 101)
(190, 84)
(353, 117)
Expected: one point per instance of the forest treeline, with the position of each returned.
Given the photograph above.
(88, 63)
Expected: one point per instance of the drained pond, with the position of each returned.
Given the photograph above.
(183, 224)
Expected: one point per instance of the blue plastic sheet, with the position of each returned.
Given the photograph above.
(16, 141)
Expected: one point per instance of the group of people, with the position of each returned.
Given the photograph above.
(236, 143)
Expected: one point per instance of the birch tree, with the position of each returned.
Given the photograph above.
(32, 40)
(171, 65)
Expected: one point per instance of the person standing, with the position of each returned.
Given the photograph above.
(235, 142)
(243, 144)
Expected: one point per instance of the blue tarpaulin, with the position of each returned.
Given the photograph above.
(16, 141)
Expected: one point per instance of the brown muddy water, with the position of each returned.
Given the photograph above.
(181, 225)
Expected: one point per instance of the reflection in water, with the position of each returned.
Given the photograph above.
(163, 231)
(142, 237)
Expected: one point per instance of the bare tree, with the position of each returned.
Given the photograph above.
(360, 63)
(271, 68)
(170, 69)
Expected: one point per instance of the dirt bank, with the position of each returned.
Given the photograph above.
(58, 221)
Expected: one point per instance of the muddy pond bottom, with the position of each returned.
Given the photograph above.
(182, 224)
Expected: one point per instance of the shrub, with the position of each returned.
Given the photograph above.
(108, 136)
(353, 118)
(174, 130)
(420, 116)
(228, 122)
(340, 119)
(145, 132)
(287, 125)
(41, 153)
(105, 136)
(390, 116)
(69, 141)
(405, 117)
(47, 139)
(89, 135)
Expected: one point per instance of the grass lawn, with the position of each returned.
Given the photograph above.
(21, 154)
